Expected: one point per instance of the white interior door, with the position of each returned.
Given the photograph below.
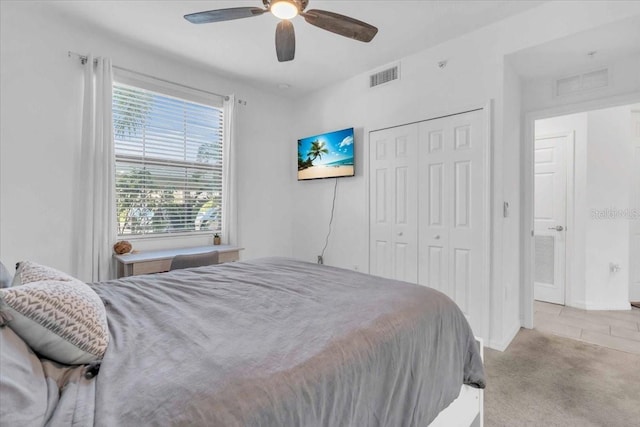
(634, 220)
(550, 214)
(451, 217)
(393, 203)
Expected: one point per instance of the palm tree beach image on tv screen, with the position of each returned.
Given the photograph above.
(329, 155)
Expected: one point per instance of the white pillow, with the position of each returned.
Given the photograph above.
(23, 386)
(62, 320)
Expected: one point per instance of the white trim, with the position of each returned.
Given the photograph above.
(506, 340)
(527, 186)
(581, 107)
(580, 304)
(570, 235)
(526, 233)
(459, 113)
(590, 305)
(365, 170)
(175, 90)
(488, 220)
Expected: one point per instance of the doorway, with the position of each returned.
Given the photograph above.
(584, 213)
(585, 219)
(553, 172)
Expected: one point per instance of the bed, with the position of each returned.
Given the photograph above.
(268, 342)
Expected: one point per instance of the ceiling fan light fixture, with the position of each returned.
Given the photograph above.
(284, 9)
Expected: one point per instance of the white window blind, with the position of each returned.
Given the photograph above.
(169, 163)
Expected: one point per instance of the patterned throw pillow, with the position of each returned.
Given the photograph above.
(62, 320)
(5, 277)
(28, 272)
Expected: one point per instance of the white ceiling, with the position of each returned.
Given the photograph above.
(571, 54)
(245, 49)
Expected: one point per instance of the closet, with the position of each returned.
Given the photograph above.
(429, 208)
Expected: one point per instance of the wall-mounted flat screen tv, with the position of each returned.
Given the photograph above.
(329, 155)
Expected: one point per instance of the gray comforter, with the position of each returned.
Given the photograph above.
(273, 342)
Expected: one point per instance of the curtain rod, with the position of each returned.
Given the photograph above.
(83, 60)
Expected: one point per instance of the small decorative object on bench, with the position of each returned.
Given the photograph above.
(122, 247)
(216, 239)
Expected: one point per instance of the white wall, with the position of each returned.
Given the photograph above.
(624, 79)
(510, 270)
(40, 135)
(474, 75)
(602, 172)
(609, 157)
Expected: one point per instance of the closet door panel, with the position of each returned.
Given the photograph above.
(461, 193)
(466, 234)
(393, 225)
(435, 266)
(451, 193)
(433, 206)
(461, 273)
(435, 195)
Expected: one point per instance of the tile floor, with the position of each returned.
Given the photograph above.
(619, 330)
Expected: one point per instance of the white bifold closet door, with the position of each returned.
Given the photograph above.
(427, 213)
(393, 213)
(450, 223)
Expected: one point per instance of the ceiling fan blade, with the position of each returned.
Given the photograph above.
(220, 15)
(285, 41)
(340, 24)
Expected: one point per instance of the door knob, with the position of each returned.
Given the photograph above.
(399, 233)
(437, 237)
(557, 228)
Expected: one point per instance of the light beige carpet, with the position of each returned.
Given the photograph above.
(546, 380)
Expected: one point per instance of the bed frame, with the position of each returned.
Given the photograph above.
(467, 409)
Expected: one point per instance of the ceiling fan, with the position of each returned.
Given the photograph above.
(286, 10)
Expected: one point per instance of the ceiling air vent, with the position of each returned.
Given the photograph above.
(384, 76)
(582, 82)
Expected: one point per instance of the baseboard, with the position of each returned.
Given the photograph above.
(577, 304)
(504, 343)
(587, 305)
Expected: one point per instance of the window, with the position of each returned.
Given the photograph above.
(168, 161)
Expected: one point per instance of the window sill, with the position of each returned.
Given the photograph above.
(168, 241)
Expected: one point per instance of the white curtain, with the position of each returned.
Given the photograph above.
(229, 187)
(96, 222)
